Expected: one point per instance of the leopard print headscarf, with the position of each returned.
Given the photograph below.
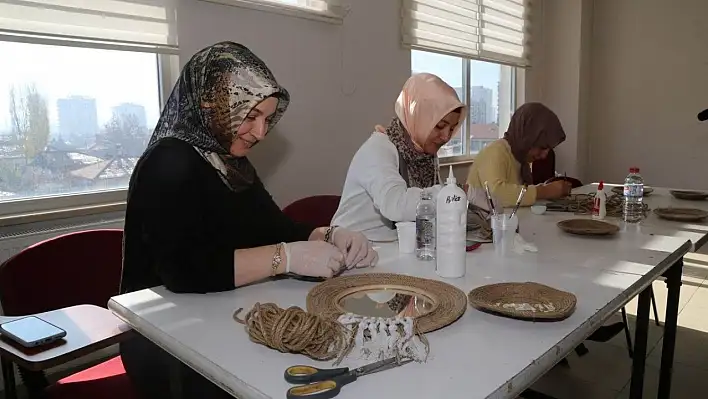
(216, 91)
(419, 168)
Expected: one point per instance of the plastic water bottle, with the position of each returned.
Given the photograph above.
(425, 227)
(633, 197)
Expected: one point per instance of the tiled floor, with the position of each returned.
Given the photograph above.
(604, 373)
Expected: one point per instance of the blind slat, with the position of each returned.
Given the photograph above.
(148, 23)
(493, 30)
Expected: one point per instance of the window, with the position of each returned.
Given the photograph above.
(326, 10)
(80, 93)
(485, 87)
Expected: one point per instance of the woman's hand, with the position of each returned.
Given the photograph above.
(555, 190)
(357, 249)
(313, 258)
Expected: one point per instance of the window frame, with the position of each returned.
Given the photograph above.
(331, 17)
(516, 75)
(39, 208)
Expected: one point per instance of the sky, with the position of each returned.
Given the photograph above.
(111, 77)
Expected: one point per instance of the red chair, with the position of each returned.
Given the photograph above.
(316, 211)
(72, 269)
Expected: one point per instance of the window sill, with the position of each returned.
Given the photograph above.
(457, 160)
(61, 213)
(283, 9)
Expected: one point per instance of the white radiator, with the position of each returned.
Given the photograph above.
(12, 242)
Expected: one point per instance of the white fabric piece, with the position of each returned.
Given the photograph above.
(521, 245)
(374, 192)
(380, 338)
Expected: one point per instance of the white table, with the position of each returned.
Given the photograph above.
(479, 356)
(662, 198)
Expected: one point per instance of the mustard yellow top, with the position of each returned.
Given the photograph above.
(496, 165)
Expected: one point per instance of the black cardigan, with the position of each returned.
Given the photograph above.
(183, 223)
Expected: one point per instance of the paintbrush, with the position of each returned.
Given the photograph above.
(489, 199)
(518, 201)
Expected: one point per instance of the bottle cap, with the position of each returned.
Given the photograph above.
(601, 185)
(451, 177)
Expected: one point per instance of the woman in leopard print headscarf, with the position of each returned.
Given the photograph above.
(198, 218)
(396, 163)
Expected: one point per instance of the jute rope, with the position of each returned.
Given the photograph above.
(581, 204)
(293, 330)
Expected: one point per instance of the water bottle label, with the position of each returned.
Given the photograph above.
(425, 232)
(634, 190)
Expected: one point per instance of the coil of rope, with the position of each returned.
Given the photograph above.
(294, 330)
(581, 204)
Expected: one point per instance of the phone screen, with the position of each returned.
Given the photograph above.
(31, 329)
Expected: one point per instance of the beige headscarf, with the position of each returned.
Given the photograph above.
(424, 101)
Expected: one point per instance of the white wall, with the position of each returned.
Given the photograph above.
(343, 79)
(559, 74)
(649, 80)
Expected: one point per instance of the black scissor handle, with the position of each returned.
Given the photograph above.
(307, 374)
(321, 389)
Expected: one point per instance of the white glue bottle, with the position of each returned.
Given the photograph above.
(451, 226)
(599, 209)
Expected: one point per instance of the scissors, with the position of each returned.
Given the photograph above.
(326, 383)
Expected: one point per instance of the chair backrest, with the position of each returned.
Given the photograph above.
(316, 211)
(72, 269)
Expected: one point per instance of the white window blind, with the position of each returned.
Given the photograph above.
(491, 30)
(140, 25)
(332, 10)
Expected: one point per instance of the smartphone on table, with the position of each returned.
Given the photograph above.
(31, 331)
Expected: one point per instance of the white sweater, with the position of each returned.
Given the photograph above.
(375, 193)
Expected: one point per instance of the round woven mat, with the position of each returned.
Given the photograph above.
(524, 301)
(449, 303)
(588, 227)
(689, 195)
(620, 190)
(681, 214)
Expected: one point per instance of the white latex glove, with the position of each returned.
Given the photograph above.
(521, 245)
(358, 251)
(313, 258)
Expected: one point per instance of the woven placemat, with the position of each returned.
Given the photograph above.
(689, 195)
(681, 214)
(449, 302)
(588, 227)
(620, 190)
(524, 301)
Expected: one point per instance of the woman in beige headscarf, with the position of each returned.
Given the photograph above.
(391, 169)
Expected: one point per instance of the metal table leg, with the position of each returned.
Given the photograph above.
(8, 377)
(673, 284)
(640, 344)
